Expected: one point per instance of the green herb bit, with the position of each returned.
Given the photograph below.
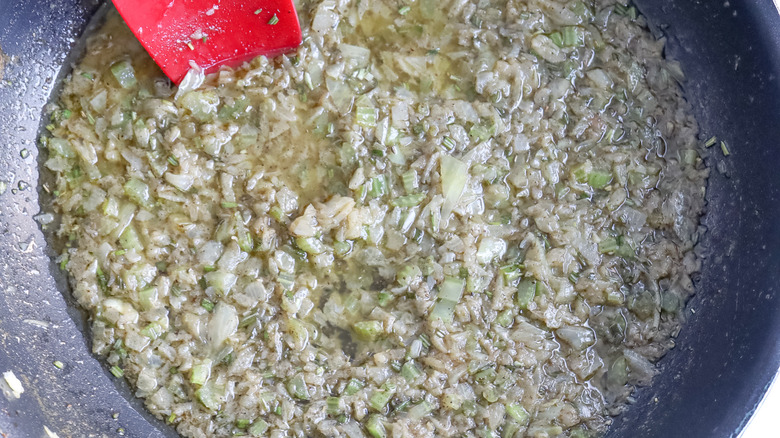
(403, 10)
(117, 372)
(173, 160)
(273, 20)
(229, 204)
(725, 149)
(242, 423)
(711, 142)
(207, 304)
(448, 143)
(59, 365)
(258, 11)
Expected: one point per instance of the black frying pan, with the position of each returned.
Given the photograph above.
(711, 382)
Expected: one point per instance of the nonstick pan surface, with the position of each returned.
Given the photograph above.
(726, 355)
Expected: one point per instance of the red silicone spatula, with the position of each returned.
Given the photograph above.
(210, 33)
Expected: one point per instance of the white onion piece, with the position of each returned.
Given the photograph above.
(224, 322)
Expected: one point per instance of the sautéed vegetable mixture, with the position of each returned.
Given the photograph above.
(466, 218)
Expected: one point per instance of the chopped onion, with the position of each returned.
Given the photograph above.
(490, 248)
(579, 338)
(224, 322)
(192, 81)
(454, 175)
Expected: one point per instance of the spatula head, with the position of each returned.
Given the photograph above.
(211, 33)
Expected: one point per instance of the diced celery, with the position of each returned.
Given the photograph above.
(124, 73)
(130, 239)
(202, 104)
(366, 116)
(505, 318)
(598, 179)
(61, 147)
(111, 207)
(511, 272)
(244, 237)
(382, 396)
(481, 132)
(207, 304)
(342, 249)
(410, 371)
(526, 290)
(311, 245)
(556, 38)
(138, 192)
(376, 427)
(258, 428)
(408, 200)
(296, 387)
(573, 36)
(608, 245)
(408, 274)
(209, 396)
(451, 289)
(334, 405)
(353, 386)
(378, 187)
(510, 429)
(201, 372)
(368, 330)
(148, 298)
(153, 330)
(420, 410)
(409, 179)
(117, 372)
(443, 310)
